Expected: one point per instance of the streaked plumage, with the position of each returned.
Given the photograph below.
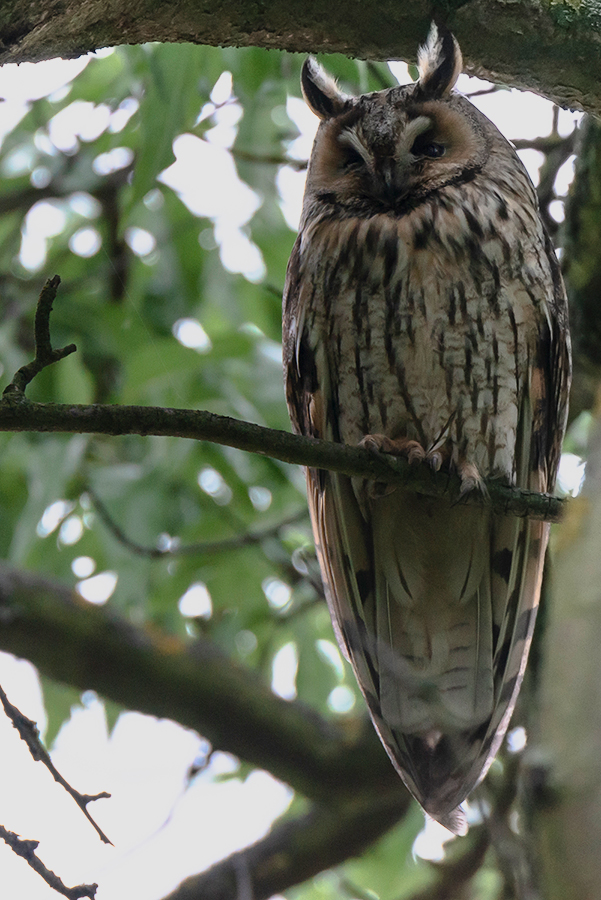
(424, 314)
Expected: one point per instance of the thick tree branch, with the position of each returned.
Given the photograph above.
(296, 850)
(24, 415)
(456, 873)
(551, 48)
(193, 683)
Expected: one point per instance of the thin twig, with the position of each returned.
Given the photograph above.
(26, 849)
(203, 548)
(272, 159)
(547, 144)
(44, 354)
(28, 732)
(263, 159)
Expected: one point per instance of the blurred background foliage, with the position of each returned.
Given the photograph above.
(159, 319)
(173, 301)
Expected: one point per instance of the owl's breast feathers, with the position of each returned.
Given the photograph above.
(441, 323)
(438, 323)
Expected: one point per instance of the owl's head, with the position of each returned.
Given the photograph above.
(386, 151)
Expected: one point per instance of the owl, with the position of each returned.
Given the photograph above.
(425, 316)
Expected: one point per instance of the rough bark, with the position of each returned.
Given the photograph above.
(23, 415)
(552, 48)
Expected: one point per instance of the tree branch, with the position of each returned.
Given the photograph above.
(17, 413)
(193, 683)
(28, 732)
(551, 48)
(27, 849)
(202, 548)
(454, 874)
(297, 849)
(44, 354)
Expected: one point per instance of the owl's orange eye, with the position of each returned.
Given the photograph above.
(430, 149)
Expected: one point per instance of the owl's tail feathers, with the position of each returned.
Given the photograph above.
(432, 623)
(454, 821)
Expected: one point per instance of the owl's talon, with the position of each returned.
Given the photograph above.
(374, 442)
(416, 454)
(471, 480)
(413, 450)
(435, 460)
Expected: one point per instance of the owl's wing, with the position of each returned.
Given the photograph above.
(555, 363)
(519, 545)
(338, 523)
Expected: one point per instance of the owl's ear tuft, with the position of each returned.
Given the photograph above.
(320, 90)
(439, 62)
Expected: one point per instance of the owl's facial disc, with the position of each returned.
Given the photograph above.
(383, 154)
(387, 170)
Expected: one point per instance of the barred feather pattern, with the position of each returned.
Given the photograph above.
(436, 319)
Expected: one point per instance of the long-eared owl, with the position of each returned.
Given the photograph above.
(425, 316)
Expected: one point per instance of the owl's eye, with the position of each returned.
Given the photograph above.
(424, 146)
(352, 158)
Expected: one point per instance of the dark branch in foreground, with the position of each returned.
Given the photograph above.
(296, 850)
(192, 682)
(28, 732)
(344, 769)
(27, 849)
(456, 873)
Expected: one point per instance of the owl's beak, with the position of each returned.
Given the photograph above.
(392, 178)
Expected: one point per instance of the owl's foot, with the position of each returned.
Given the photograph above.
(412, 450)
(471, 479)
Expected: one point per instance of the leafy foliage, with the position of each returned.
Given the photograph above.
(151, 296)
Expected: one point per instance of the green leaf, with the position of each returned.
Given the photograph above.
(170, 104)
(59, 700)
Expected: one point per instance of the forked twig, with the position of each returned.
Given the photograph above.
(44, 354)
(28, 732)
(27, 849)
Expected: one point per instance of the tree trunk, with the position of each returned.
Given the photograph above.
(566, 771)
